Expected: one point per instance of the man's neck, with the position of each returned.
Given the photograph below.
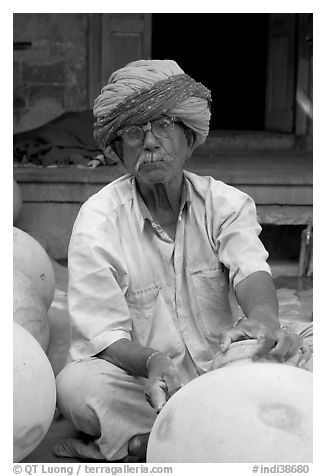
(163, 200)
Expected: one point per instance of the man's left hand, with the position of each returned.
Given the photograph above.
(279, 343)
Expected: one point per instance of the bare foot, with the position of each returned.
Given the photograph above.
(77, 448)
(138, 447)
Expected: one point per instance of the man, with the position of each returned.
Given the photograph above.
(151, 259)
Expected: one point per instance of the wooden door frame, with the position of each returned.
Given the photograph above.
(94, 56)
(304, 87)
(95, 22)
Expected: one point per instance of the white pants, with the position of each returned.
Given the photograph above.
(107, 403)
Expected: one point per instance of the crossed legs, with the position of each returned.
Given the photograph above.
(106, 403)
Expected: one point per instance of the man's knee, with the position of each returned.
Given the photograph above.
(93, 392)
(78, 386)
(94, 382)
(71, 381)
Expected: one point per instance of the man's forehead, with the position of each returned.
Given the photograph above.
(158, 118)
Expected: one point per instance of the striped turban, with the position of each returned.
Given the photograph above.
(143, 91)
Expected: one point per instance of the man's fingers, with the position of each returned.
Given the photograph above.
(295, 350)
(163, 381)
(276, 343)
(156, 394)
(243, 330)
(225, 339)
(287, 346)
(265, 343)
(172, 381)
(305, 355)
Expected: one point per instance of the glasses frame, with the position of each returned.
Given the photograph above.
(148, 128)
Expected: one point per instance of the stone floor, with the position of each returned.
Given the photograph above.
(295, 299)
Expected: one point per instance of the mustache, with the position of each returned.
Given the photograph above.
(146, 157)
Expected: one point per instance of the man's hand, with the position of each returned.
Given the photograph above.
(163, 381)
(279, 343)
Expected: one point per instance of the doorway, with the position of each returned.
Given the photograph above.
(227, 52)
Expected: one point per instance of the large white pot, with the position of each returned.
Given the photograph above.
(259, 412)
(34, 393)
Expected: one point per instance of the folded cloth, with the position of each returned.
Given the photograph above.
(67, 139)
(76, 448)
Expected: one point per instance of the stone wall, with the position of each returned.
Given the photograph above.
(50, 76)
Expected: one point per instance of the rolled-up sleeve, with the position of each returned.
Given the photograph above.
(97, 307)
(240, 248)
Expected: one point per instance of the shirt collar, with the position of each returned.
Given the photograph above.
(140, 209)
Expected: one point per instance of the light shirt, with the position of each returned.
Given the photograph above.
(129, 279)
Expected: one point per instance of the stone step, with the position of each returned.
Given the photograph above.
(222, 140)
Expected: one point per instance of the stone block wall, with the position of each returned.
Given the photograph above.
(50, 76)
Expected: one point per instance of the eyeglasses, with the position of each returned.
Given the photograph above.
(161, 129)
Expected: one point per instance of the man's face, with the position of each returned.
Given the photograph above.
(158, 159)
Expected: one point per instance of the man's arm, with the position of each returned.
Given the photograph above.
(163, 380)
(243, 254)
(129, 356)
(257, 296)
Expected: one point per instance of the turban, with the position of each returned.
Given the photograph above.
(143, 91)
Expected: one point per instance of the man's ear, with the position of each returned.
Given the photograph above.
(117, 149)
(191, 137)
(111, 156)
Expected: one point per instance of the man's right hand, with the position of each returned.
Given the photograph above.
(163, 380)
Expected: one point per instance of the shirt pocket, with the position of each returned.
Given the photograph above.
(152, 322)
(211, 295)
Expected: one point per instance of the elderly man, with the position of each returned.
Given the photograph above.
(151, 260)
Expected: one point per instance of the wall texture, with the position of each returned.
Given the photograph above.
(50, 77)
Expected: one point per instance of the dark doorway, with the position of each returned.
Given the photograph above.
(227, 52)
